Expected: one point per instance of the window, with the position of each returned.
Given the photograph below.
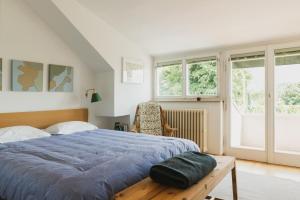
(248, 82)
(248, 100)
(202, 77)
(187, 78)
(287, 81)
(287, 100)
(170, 79)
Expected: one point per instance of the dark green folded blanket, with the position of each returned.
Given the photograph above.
(183, 170)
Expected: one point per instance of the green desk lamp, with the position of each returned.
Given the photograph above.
(95, 96)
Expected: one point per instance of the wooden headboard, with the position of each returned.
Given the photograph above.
(42, 119)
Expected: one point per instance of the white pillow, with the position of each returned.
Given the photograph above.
(20, 133)
(70, 127)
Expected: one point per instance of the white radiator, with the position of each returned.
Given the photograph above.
(190, 123)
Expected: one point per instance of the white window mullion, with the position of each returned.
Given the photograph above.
(270, 104)
(219, 78)
(185, 79)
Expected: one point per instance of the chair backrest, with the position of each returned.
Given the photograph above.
(149, 118)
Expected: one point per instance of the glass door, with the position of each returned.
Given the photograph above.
(287, 106)
(263, 112)
(247, 106)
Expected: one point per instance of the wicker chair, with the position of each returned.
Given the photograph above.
(150, 119)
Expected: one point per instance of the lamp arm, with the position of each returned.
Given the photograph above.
(87, 92)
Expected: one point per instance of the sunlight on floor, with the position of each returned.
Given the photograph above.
(291, 173)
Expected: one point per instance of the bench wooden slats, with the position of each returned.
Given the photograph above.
(145, 189)
(149, 190)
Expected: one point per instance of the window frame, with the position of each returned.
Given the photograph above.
(161, 65)
(185, 96)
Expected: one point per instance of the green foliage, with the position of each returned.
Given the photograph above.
(254, 101)
(291, 94)
(247, 101)
(170, 80)
(203, 78)
(289, 98)
(240, 79)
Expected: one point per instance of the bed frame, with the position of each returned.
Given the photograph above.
(42, 119)
(145, 189)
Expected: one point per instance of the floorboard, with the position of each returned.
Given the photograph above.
(279, 171)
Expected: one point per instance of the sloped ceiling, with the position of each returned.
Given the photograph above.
(102, 48)
(51, 14)
(166, 26)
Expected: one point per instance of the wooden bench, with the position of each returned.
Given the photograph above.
(149, 190)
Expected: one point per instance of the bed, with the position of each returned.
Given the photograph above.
(85, 165)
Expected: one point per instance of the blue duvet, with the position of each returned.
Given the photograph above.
(91, 165)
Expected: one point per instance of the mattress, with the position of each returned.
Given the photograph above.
(85, 165)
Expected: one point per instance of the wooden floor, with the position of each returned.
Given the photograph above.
(285, 172)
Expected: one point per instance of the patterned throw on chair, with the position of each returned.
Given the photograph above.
(150, 118)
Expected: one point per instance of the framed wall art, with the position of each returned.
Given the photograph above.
(133, 71)
(26, 76)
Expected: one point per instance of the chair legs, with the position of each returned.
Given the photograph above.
(212, 198)
(234, 184)
(234, 187)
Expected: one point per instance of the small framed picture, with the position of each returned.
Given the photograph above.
(60, 78)
(133, 71)
(26, 76)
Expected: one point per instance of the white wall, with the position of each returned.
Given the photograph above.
(128, 96)
(112, 46)
(105, 85)
(25, 36)
(96, 35)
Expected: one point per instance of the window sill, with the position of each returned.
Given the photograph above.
(188, 99)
